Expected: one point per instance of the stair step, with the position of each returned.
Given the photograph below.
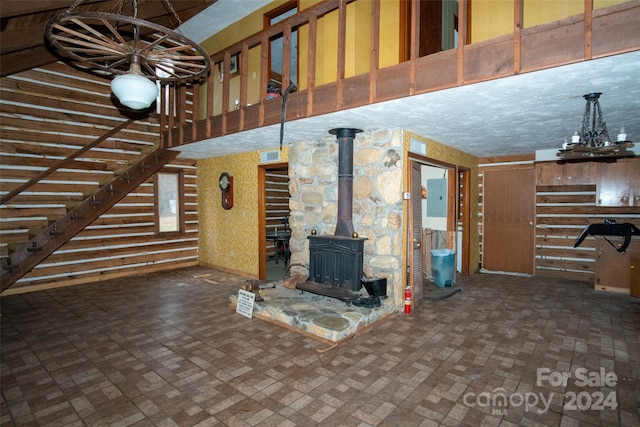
(53, 218)
(8, 265)
(107, 181)
(132, 161)
(14, 246)
(76, 216)
(33, 246)
(37, 230)
(27, 255)
(73, 204)
(148, 150)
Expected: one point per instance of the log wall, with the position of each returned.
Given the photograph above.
(37, 132)
(569, 197)
(277, 202)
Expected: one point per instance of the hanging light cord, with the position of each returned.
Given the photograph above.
(282, 110)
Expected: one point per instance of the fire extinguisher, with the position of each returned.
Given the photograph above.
(407, 300)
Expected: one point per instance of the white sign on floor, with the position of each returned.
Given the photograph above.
(245, 303)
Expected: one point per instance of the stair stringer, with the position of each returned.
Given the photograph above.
(48, 240)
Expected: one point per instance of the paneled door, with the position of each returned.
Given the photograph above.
(509, 197)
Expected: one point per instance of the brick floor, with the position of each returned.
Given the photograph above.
(167, 350)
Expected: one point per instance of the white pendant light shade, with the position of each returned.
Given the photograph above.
(134, 90)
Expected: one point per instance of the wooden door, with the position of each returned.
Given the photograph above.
(415, 244)
(509, 220)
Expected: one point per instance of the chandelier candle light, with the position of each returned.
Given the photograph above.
(137, 54)
(592, 141)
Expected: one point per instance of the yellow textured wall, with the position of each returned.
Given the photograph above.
(358, 43)
(538, 12)
(493, 18)
(389, 33)
(452, 156)
(229, 239)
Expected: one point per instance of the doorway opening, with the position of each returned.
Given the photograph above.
(274, 235)
(437, 27)
(282, 61)
(439, 215)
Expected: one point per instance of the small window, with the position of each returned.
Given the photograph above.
(169, 209)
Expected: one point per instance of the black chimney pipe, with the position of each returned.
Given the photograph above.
(345, 137)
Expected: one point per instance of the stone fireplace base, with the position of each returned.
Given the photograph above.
(328, 319)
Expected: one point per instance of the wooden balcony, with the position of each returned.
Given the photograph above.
(590, 35)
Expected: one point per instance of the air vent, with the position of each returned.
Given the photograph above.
(270, 156)
(418, 147)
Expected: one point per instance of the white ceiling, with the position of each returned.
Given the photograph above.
(514, 115)
(217, 17)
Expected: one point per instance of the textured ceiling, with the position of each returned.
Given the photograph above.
(217, 17)
(515, 115)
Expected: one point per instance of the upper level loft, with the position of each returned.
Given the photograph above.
(340, 54)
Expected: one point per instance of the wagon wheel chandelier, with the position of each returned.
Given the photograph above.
(135, 52)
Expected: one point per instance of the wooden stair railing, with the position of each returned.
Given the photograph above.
(48, 240)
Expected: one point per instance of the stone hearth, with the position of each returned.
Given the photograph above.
(326, 318)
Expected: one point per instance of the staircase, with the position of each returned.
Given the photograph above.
(43, 242)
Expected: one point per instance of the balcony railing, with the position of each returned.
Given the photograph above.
(208, 109)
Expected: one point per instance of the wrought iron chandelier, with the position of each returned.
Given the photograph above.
(593, 141)
(135, 52)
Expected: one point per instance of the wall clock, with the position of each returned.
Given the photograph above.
(226, 185)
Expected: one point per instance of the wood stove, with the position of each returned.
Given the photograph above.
(336, 261)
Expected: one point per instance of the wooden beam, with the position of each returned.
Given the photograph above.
(26, 59)
(22, 38)
(311, 63)
(244, 81)
(374, 62)
(414, 52)
(588, 28)
(517, 34)
(463, 25)
(11, 8)
(342, 37)
(265, 69)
